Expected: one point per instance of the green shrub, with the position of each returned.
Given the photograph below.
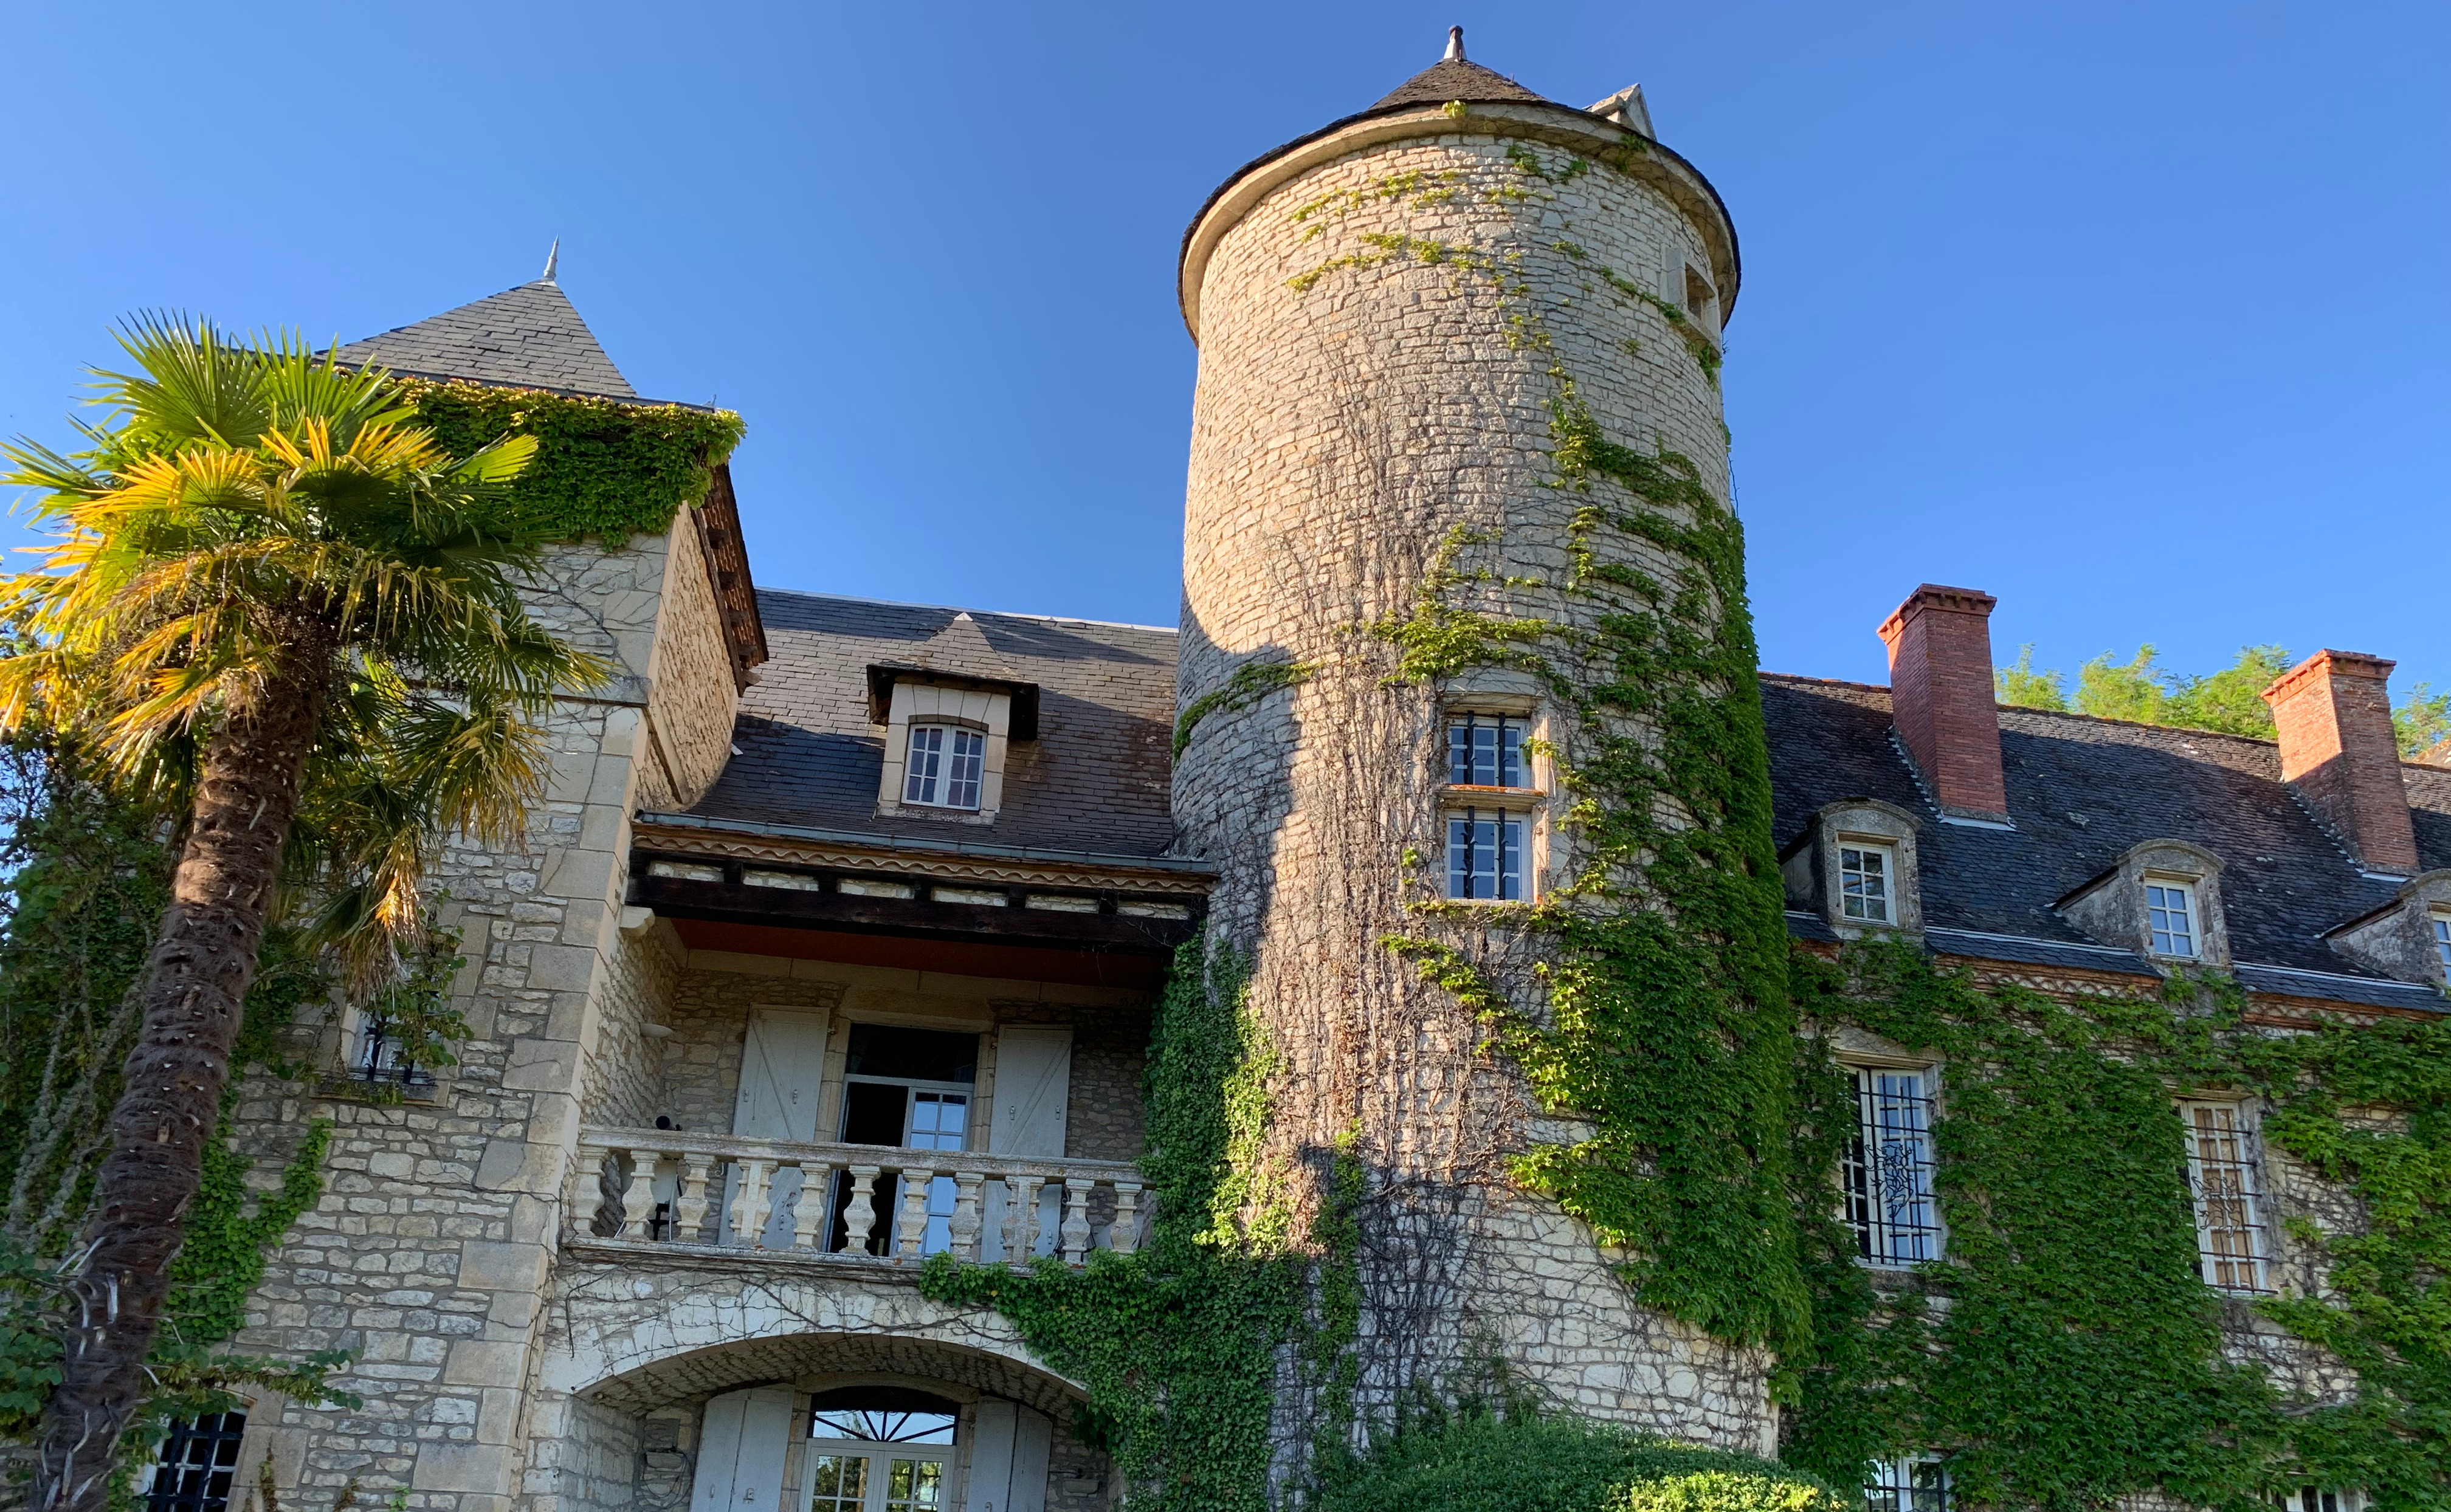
(1482, 1463)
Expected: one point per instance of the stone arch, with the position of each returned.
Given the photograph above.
(628, 1337)
(836, 1359)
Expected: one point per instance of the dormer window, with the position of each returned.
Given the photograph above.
(2161, 899)
(1855, 865)
(1485, 751)
(1866, 874)
(2439, 921)
(944, 766)
(2171, 917)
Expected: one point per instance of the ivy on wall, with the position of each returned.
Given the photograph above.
(2068, 1353)
(1177, 1343)
(602, 467)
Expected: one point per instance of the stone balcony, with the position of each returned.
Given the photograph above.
(729, 1197)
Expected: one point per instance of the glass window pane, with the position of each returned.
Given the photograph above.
(915, 1485)
(1887, 1170)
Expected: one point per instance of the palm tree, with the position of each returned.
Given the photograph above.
(291, 621)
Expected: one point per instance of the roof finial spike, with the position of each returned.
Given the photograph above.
(1455, 45)
(552, 262)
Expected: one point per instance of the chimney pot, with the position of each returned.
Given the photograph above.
(2332, 713)
(1941, 697)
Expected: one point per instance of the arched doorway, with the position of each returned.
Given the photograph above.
(869, 1448)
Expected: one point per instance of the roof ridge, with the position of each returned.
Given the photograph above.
(958, 608)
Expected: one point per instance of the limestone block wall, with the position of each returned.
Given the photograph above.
(429, 1255)
(1390, 336)
(624, 1082)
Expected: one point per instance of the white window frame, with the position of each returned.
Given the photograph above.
(1471, 722)
(2437, 931)
(2226, 1192)
(1886, 852)
(1503, 821)
(2190, 911)
(2320, 1499)
(1891, 1485)
(944, 767)
(1885, 1173)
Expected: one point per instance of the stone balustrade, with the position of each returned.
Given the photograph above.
(775, 1195)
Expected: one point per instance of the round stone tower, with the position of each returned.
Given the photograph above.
(1457, 521)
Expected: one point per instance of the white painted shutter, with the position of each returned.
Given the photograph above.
(1033, 1086)
(1033, 1441)
(740, 1445)
(991, 1478)
(782, 1067)
(1010, 1448)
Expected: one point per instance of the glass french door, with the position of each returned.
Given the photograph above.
(877, 1477)
(907, 1115)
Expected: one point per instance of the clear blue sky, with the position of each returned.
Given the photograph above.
(2132, 314)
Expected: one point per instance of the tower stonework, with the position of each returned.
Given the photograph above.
(1414, 325)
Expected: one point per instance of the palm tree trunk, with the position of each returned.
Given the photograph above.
(204, 959)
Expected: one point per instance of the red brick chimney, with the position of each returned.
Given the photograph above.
(1940, 695)
(2333, 714)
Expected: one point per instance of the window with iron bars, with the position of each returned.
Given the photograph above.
(1888, 1169)
(2221, 1174)
(1915, 1484)
(1485, 751)
(1486, 855)
(384, 1058)
(199, 1459)
(2316, 1499)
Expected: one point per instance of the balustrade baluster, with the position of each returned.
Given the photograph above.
(638, 1199)
(1125, 1236)
(1076, 1220)
(912, 1227)
(689, 1213)
(965, 1221)
(749, 1210)
(808, 1221)
(859, 1215)
(579, 1198)
(1021, 1218)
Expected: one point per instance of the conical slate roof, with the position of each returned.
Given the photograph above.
(530, 337)
(1456, 78)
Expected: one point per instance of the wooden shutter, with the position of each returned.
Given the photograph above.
(1011, 1447)
(1033, 1087)
(782, 1067)
(740, 1447)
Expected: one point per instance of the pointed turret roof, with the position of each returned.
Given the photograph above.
(1456, 78)
(530, 337)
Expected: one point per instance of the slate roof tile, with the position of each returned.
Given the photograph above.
(530, 337)
(2082, 791)
(1097, 779)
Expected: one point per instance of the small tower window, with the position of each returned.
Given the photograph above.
(2441, 922)
(2171, 917)
(1485, 751)
(1864, 873)
(1486, 855)
(1701, 302)
(943, 768)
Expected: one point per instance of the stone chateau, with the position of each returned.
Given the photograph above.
(837, 940)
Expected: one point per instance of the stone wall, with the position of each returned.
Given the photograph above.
(1381, 337)
(693, 695)
(429, 1255)
(624, 1084)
